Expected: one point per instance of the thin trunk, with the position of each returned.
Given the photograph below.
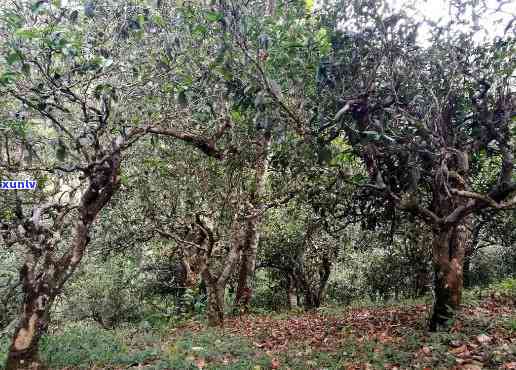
(215, 306)
(247, 264)
(291, 292)
(216, 281)
(448, 260)
(467, 271)
(324, 276)
(311, 300)
(252, 225)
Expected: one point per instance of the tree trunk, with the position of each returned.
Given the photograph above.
(247, 264)
(216, 281)
(43, 274)
(291, 293)
(23, 352)
(311, 300)
(215, 306)
(252, 224)
(448, 259)
(467, 271)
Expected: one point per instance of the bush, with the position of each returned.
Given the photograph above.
(342, 292)
(109, 294)
(269, 294)
(81, 345)
(505, 288)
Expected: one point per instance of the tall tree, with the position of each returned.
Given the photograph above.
(425, 121)
(75, 100)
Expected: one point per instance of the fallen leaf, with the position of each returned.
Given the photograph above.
(483, 339)
(472, 366)
(200, 363)
(460, 349)
(275, 364)
(509, 365)
(426, 350)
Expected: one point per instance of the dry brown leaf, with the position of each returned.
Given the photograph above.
(275, 364)
(483, 339)
(426, 350)
(473, 366)
(459, 349)
(200, 363)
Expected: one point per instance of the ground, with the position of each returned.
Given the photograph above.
(382, 337)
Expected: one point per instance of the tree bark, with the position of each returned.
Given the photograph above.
(247, 263)
(448, 259)
(216, 281)
(44, 274)
(291, 292)
(252, 224)
(23, 352)
(467, 271)
(215, 306)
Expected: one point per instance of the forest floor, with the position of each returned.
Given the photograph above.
(383, 337)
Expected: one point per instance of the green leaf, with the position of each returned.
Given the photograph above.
(309, 5)
(213, 16)
(199, 30)
(61, 151)
(124, 180)
(324, 154)
(26, 69)
(181, 98)
(12, 19)
(7, 77)
(38, 6)
(141, 20)
(373, 135)
(26, 33)
(158, 20)
(42, 182)
(388, 138)
(14, 57)
(323, 40)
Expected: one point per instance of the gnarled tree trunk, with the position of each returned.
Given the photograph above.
(448, 260)
(23, 352)
(216, 279)
(44, 274)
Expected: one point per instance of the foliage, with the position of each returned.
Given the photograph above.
(108, 294)
(197, 159)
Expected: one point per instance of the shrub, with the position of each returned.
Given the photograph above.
(81, 345)
(109, 294)
(505, 288)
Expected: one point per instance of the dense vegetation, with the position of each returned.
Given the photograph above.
(257, 184)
